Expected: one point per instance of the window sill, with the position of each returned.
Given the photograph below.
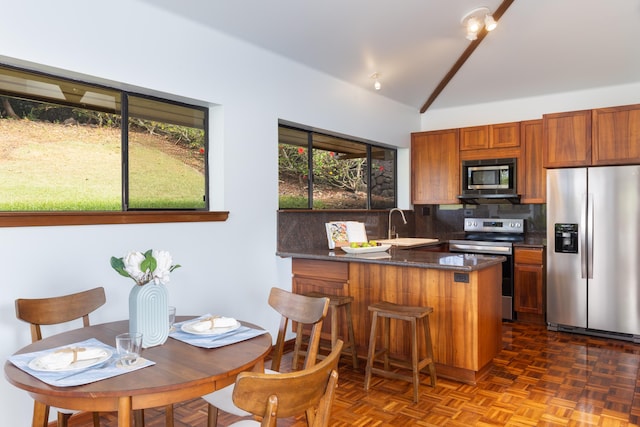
(46, 219)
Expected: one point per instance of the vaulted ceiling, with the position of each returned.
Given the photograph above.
(540, 47)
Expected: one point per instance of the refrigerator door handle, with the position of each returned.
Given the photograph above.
(590, 247)
(583, 236)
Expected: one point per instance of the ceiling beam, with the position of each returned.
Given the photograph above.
(463, 58)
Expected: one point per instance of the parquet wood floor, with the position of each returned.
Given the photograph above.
(540, 378)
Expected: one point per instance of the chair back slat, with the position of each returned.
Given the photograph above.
(303, 310)
(60, 309)
(297, 307)
(309, 390)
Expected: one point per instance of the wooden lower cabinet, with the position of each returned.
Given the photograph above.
(529, 285)
(466, 326)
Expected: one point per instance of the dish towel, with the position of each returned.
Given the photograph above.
(242, 333)
(68, 378)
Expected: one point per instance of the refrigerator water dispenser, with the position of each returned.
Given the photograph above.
(566, 237)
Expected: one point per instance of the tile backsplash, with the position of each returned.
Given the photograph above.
(300, 230)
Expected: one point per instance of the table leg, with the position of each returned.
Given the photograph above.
(40, 414)
(138, 418)
(168, 416)
(259, 366)
(124, 411)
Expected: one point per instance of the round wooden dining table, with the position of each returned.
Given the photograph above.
(181, 372)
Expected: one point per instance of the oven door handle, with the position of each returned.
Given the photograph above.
(481, 249)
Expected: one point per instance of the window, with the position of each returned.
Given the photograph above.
(317, 170)
(64, 148)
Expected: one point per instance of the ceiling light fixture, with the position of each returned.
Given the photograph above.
(376, 83)
(474, 20)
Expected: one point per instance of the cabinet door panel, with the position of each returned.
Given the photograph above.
(504, 135)
(474, 138)
(567, 139)
(528, 289)
(616, 135)
(531, 171)
(435, 167)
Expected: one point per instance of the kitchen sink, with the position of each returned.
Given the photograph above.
(409, 242)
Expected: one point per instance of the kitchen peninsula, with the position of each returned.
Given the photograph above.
(464, 291)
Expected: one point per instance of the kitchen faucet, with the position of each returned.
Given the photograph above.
(404, 220)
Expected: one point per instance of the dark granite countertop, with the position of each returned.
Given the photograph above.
(403, 258)
(533, 241)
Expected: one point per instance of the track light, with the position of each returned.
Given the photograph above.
(474, 20)
(489, 23)
(376, 83)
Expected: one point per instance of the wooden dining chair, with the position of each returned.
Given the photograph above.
(305, 311)
(281, 395)
(57, 310)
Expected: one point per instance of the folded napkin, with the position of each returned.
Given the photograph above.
(211, 322)
(64, 357)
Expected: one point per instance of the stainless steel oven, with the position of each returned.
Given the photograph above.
(493, 236)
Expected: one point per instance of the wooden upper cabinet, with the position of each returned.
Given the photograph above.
(616, 135)
(435, 167)
(502, 135)
(532, 174)
(474, 138)
(567, 139)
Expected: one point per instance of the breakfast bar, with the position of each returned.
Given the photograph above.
(464, 291)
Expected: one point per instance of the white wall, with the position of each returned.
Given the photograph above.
(529, 108)
(228, 267)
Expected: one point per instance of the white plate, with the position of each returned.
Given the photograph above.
(188, 328)
(369, 249)
(36, 363)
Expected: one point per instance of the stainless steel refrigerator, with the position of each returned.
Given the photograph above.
(593, 250)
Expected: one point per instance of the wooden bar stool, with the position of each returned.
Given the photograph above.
(336, 302)
(387, 311)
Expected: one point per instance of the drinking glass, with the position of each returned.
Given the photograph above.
(172, 317)
(128, 346)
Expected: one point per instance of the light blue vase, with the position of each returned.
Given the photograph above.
(148, 307)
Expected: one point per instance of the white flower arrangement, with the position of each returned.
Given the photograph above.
(150, 266)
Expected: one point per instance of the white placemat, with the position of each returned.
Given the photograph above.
(214, 341)
(109, 368)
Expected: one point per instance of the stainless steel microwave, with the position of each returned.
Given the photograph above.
(489, 176)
